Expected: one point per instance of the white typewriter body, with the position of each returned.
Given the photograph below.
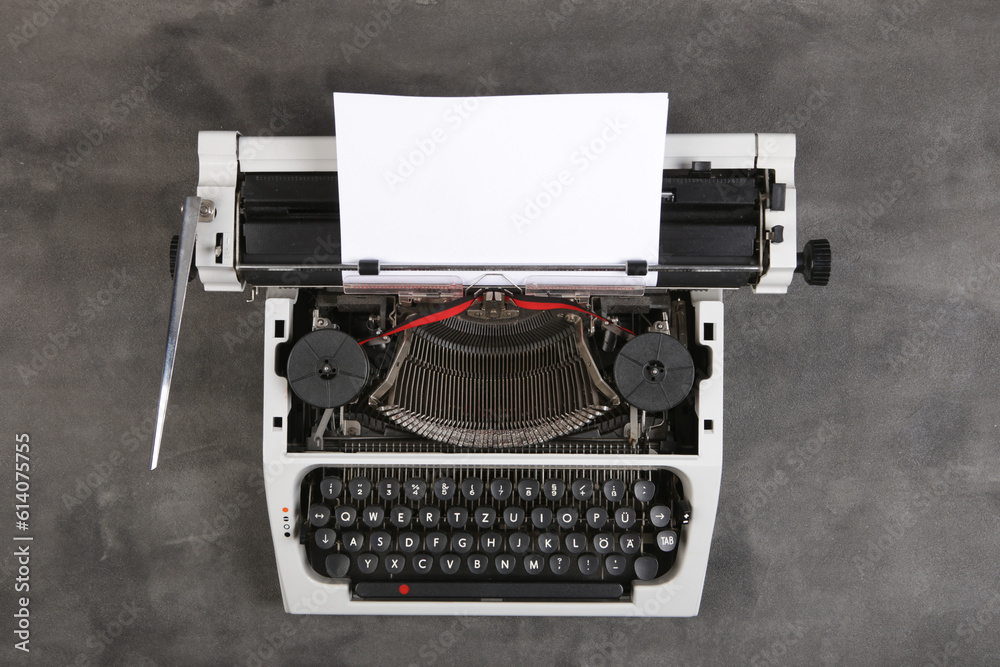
(225, 156)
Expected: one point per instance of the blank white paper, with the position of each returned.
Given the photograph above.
(538, 179)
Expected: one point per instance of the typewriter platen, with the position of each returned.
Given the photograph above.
(437, 447)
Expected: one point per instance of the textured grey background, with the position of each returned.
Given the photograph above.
(860, 511)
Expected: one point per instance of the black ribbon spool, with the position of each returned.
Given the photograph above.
(654, 372)
(327, 368)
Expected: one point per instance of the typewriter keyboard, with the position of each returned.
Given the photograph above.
(491, 533)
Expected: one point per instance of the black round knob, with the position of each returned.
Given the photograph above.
(175, 243)
(814, 262)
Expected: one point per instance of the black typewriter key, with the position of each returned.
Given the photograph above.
(367, 563)
(541, 517)
(359, 488)
(394, 563)
(504, 563)
(576, 543)
(436, 543)
(461, 543)
(450, 563)
(597, 517)
(645, 568)
(644, 490)
(548, 543)
(518, 542)
(477, 563)
(588, 564)
(409, 542)
(615, 565)
(604, 543)
(325, 538)
(346, 515)
(337, 565)
(400, 516)
(559, 563)
(629, 543)
(490, 543)
(529, 489)
(660, 515)
(319, 516)
(666, 540)
(422, 563)
(472, 488)
(566, 517)
(614, 490)
(582, 489)
(380, 541)
(429, 517)
(553, 489)
(331, 487)
(485, 517)
(501, 488)
(444, 488)
(625, 517)
(457, 517)
(513, 517)
(533, 564)
(415, 489)
(388, 489)
(373, 516)
(353, 541)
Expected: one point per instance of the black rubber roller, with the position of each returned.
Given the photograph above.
(327, 368)
(654, 372)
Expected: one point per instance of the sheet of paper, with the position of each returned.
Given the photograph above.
(539, 179)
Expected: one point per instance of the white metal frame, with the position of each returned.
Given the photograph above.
(678, 592)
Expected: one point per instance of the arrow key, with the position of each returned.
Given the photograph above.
(319, 515)
(326, 538)
(660, 516)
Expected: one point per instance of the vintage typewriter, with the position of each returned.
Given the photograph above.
(444, 447)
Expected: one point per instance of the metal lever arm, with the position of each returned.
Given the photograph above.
(185, 252)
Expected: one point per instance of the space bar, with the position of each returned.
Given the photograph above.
(476, 590)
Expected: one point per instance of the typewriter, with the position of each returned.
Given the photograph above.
(483, 447)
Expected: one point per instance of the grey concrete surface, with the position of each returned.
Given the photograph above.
(860, 512)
